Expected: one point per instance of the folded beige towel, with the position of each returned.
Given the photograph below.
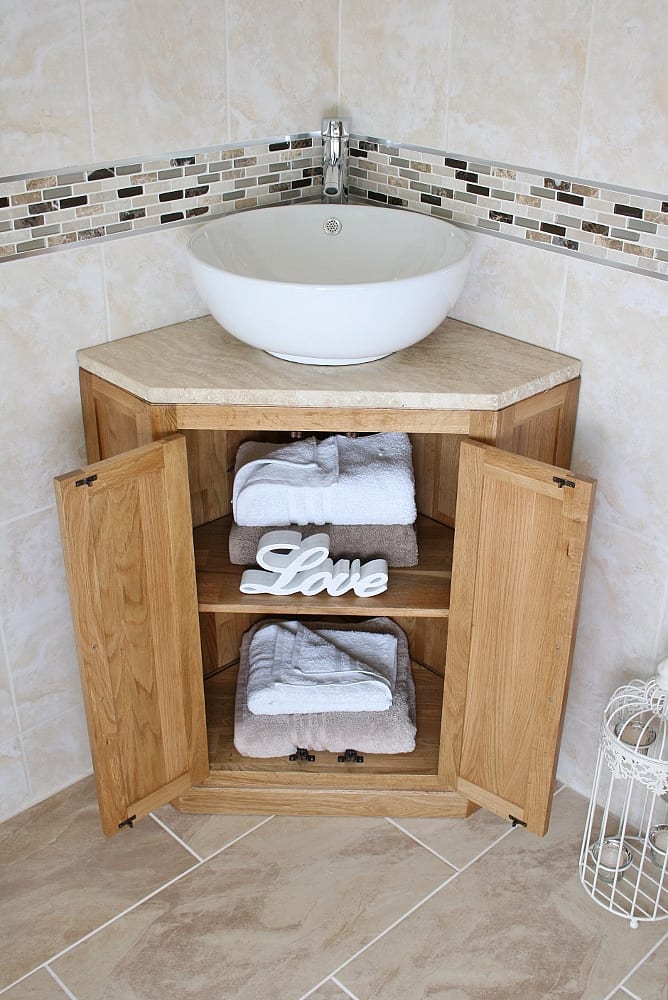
(391, 731)
(396, 543)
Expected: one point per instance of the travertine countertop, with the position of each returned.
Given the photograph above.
(458, 367)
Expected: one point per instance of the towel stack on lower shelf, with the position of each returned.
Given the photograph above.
(324, 687)
(360, 491)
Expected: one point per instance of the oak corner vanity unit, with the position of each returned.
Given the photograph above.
(489, 611)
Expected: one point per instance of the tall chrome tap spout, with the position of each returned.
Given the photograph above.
(334, 160)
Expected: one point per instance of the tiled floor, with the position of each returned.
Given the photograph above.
(285, 908)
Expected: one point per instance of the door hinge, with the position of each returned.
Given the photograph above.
(87, 481)
(563, 482)
(516, 822)
(130, 821)
(350, 757)
(302, 754)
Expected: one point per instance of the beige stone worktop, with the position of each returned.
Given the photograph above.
(458, 367)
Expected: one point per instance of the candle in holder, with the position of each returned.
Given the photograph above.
(658, 844)
(612, 858)
(635, 735)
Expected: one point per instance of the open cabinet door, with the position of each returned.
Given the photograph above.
(127, 541)
(521, 534)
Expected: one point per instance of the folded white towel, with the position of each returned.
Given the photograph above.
(341, 480)
(292, 668)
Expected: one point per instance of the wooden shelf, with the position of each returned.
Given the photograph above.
(417, 769)
(419, 591)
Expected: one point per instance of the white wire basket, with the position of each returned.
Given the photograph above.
(624, 856)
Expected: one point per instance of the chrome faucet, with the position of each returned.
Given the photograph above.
(334, 160)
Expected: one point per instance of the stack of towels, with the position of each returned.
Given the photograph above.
(324, 687)
(360, 491)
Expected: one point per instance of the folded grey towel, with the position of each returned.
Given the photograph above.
(397, 543)
(391, 731)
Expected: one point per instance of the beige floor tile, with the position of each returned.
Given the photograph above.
(206, 834)
(39, 986)
(516, 923)
(650, 982)
(61, 877)
(458, 841)
(269, 917)
(329, 991)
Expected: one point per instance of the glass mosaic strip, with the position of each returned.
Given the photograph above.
(42, 213)
(611, 225)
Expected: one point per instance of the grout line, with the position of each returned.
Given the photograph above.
(131, 908)
(338, 61)
(62, 985)
(228, 103)
(103, 926)
(89, 100)
(344, 988)
(237, 839)
(561, 309)
(620, 984)
(422, 844)
(176, 837)
(633, 996)
(408, 913)
(585, 85)
(390, 927)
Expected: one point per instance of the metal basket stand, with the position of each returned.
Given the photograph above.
(624, 856)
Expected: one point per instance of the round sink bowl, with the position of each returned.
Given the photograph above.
(329, 284)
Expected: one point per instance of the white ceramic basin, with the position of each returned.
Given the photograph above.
(329, 284)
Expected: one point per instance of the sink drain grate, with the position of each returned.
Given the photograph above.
(332, 227)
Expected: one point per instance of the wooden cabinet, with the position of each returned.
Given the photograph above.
(490, 611)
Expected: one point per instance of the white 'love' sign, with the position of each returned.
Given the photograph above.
(292, 565)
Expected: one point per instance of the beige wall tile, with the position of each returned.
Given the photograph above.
(517, 73)
(283, 66)
(8, 721)
(49, 307)
(36, 619)
(513, 289)
(157, 76)
(148, 282)
(14, 789)
(394, 68)
(42, 86)
(625, 121)
(622, 602)
(68, 758)
(615, 321)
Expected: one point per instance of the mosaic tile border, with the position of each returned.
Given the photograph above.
(611, 225)
(48, 211)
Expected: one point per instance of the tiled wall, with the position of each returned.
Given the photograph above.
(598, 221)
(574, 92)
(43, 212)
(592, 220)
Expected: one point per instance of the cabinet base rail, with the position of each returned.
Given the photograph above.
(324, 802)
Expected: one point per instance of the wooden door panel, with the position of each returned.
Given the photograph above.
(519, 548)
(127, 541)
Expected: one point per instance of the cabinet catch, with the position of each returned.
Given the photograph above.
(302, 754)
(350, 757)
(87, 481)
(130, 821)
(515, 821)
(563, 482)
